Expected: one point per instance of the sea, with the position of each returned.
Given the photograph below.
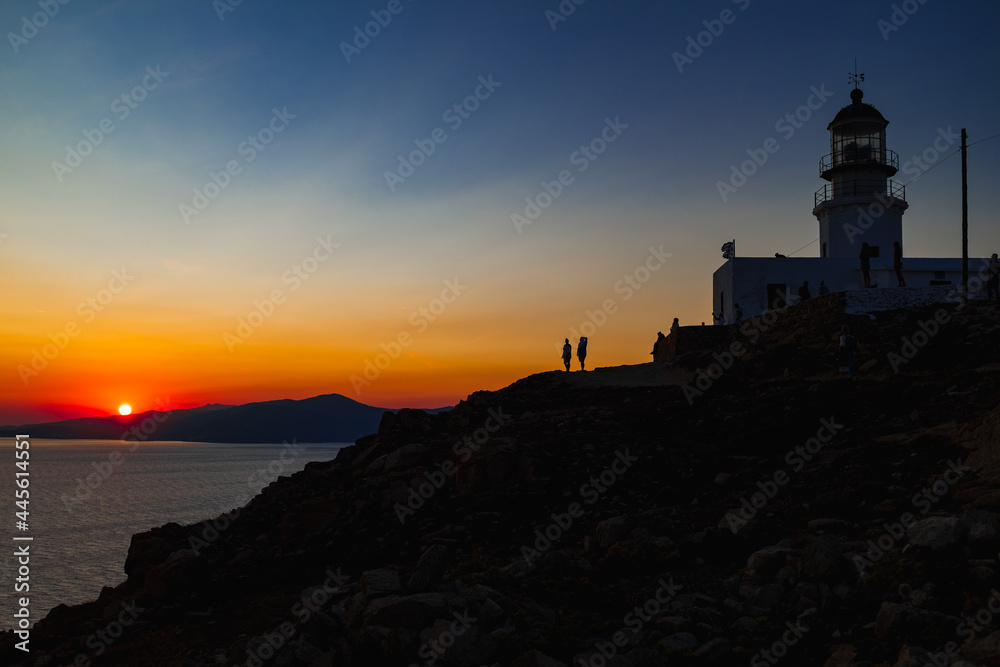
(88, 497)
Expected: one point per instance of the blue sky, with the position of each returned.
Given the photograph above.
(324, 173)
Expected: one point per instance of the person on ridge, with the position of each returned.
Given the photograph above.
(581, 351)
(823, 289)
(738, 313)
(897, 263)
(866, 264)
(567, 354)
(804, 292)
(656, 346)
(675, 326)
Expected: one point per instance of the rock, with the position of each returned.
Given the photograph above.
(180, 572)
(379, 583)
(914, 656)
(768, 559)
(745, 625)
(821, 557)
(936, 532)
(612, 531)
(463, 644)
(535, 658)
(984, 651)
(430, 567)
(680, 641)
(407, 456)
(842, 656)
(713, 650)
(768, 596)
(981, 526)
(410, 611)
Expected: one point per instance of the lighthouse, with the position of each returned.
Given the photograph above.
(861, 203)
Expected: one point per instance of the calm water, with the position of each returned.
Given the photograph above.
(89, 496)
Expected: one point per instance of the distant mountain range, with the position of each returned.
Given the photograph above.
(328, 418)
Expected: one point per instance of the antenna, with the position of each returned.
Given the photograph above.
(855, 77)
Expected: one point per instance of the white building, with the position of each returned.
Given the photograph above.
(859, 205)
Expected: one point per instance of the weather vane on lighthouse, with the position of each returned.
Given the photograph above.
(856, 78)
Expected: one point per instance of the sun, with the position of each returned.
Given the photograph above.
(124, 409)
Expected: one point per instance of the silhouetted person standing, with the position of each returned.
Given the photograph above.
(737, 313)
(823, 289)
(675, 326)
(804, 292)
(656, 346)
(866, 264)
(897, 262)
(567, 354)
(993, 281)
(581, 351)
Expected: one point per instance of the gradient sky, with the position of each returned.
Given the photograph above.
(161, 333)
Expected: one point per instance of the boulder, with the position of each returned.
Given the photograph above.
(612, 531)
(379, 583)
(936, 532)
(409, 611)
(430, 568)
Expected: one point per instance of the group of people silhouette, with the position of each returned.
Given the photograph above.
(581, 352)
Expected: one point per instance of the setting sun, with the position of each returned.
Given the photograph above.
(124, 409)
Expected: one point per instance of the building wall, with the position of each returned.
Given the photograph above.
(744, 280)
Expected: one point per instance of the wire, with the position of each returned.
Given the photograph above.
(936, 164)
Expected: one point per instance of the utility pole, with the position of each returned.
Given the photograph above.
(965, 220)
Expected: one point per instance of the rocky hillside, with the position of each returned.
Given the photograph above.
(761, 511)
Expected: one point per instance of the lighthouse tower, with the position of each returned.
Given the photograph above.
(860, 204)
